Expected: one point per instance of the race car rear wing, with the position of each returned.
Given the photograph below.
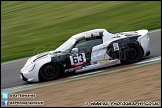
(142, 32)
(135, 33)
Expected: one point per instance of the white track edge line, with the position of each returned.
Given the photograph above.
(152, 31)
(148, 61)
(85, 74)
(3, 63)
(17, 87)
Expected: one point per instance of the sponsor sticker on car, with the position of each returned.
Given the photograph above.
(115, 46)
(104, 62)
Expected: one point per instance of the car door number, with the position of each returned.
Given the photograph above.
(78, 59)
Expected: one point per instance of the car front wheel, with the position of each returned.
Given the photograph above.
(49, 72)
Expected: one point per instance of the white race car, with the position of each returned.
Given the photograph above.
(86, 51)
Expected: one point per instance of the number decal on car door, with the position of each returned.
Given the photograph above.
(78, 59)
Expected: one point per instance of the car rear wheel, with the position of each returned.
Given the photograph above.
(49, 72)
(133, 53)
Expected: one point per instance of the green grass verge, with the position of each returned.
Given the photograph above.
(30, 27)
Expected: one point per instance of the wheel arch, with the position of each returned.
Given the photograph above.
(122, 45)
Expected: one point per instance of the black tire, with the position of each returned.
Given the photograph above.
(49, 72)
(133, 53)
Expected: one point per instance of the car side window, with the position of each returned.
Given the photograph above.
(89, 43)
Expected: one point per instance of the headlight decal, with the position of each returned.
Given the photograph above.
(31, 67)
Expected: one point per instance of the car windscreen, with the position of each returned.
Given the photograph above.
(65, 47)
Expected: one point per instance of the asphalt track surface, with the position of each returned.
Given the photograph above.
(10, 71)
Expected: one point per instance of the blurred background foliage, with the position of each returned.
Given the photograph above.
(29, 27)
